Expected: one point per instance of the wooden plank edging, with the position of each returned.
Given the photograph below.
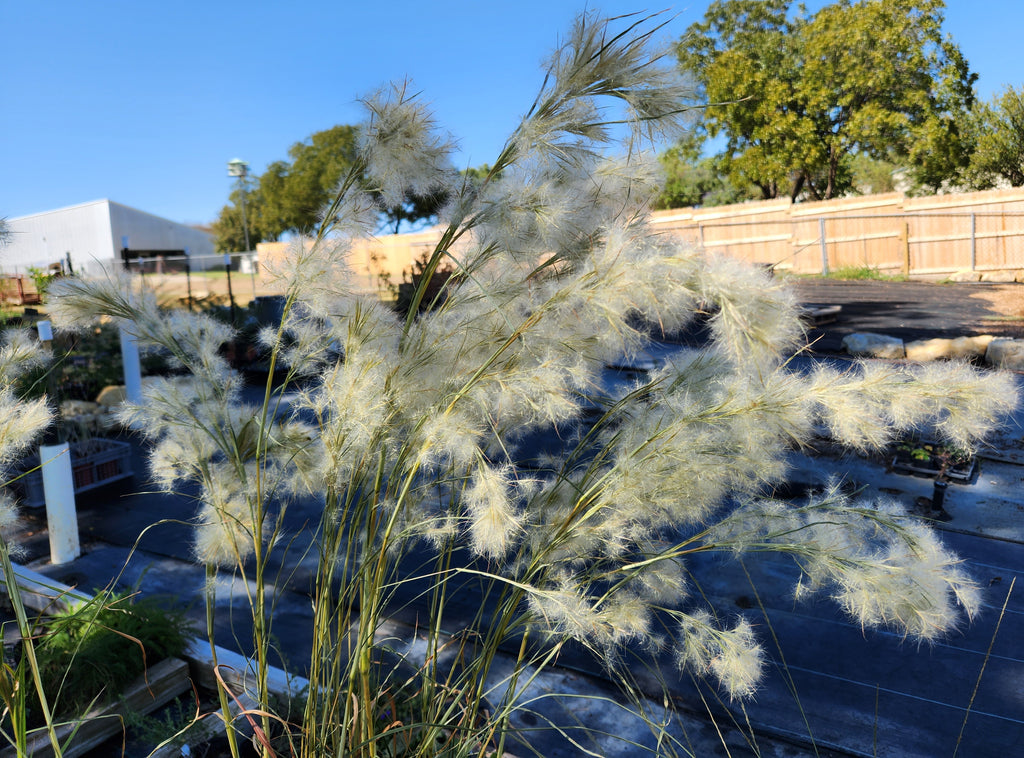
(41, 593)
(161, 683)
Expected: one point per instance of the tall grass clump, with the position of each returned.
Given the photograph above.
(414, 432)
(21, 422)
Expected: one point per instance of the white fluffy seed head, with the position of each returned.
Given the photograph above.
(559, 272)
(404, 151)
(493, 520)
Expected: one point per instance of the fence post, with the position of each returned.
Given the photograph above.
(188, 277)
(59, 494)
(905, 247)
(974, 242)
(231, 295)
(58, 478)
(824, 246)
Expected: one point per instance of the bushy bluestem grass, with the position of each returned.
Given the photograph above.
(21, 422)
(412, 431)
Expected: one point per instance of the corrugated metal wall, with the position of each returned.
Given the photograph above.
(44, 238)
(92, 234)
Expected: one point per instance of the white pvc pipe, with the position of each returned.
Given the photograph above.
(132, 367)
(59, 492)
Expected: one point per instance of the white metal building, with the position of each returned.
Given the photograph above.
(96, 234)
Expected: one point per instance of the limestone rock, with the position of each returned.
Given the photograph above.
(961, 348)
(1006, 353)
(871, 345)
(111, 395)
(77, 407)
(965, 275)
(1000, 276)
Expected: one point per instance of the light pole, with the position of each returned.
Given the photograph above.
(240, 169)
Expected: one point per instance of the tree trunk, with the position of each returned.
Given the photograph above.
(797, 187)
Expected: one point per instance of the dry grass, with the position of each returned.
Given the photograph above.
(209, 288)
(1007, 300)
(1007, 303)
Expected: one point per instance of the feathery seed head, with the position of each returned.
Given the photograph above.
(493, 519)
(228, 521)
(403, 149)
(410, 426)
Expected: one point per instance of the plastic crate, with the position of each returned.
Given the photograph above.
(94, 463)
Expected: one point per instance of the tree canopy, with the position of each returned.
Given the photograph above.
(796, 97)
(997, 133)
(692, 182)
(296, 192)
(290, 195)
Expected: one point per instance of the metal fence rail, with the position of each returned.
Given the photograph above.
(231, 279)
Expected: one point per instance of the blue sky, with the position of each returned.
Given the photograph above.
(144, 103)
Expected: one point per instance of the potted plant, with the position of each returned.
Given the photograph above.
(925, 457)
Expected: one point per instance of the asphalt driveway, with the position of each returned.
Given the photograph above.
(908, 310)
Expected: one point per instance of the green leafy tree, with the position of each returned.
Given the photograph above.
(297, 192)
(290, 195)
(228, 228)
(872, 176)
(272, 190)
(690, 183)
(479, 174)
(998, 132)
(797, 96)
(414, 208)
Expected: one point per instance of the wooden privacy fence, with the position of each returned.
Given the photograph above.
(980, 231)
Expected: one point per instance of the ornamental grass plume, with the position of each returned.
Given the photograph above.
(414, 432)
(21, 420)
(21, 423)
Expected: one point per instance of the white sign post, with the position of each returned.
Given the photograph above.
(59, 491)
(58, 488)
(132, 366)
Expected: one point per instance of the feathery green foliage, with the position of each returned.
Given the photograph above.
(90, 653)
(996, 130)
(415, 439)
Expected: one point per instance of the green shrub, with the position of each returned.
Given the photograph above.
(91, 653)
